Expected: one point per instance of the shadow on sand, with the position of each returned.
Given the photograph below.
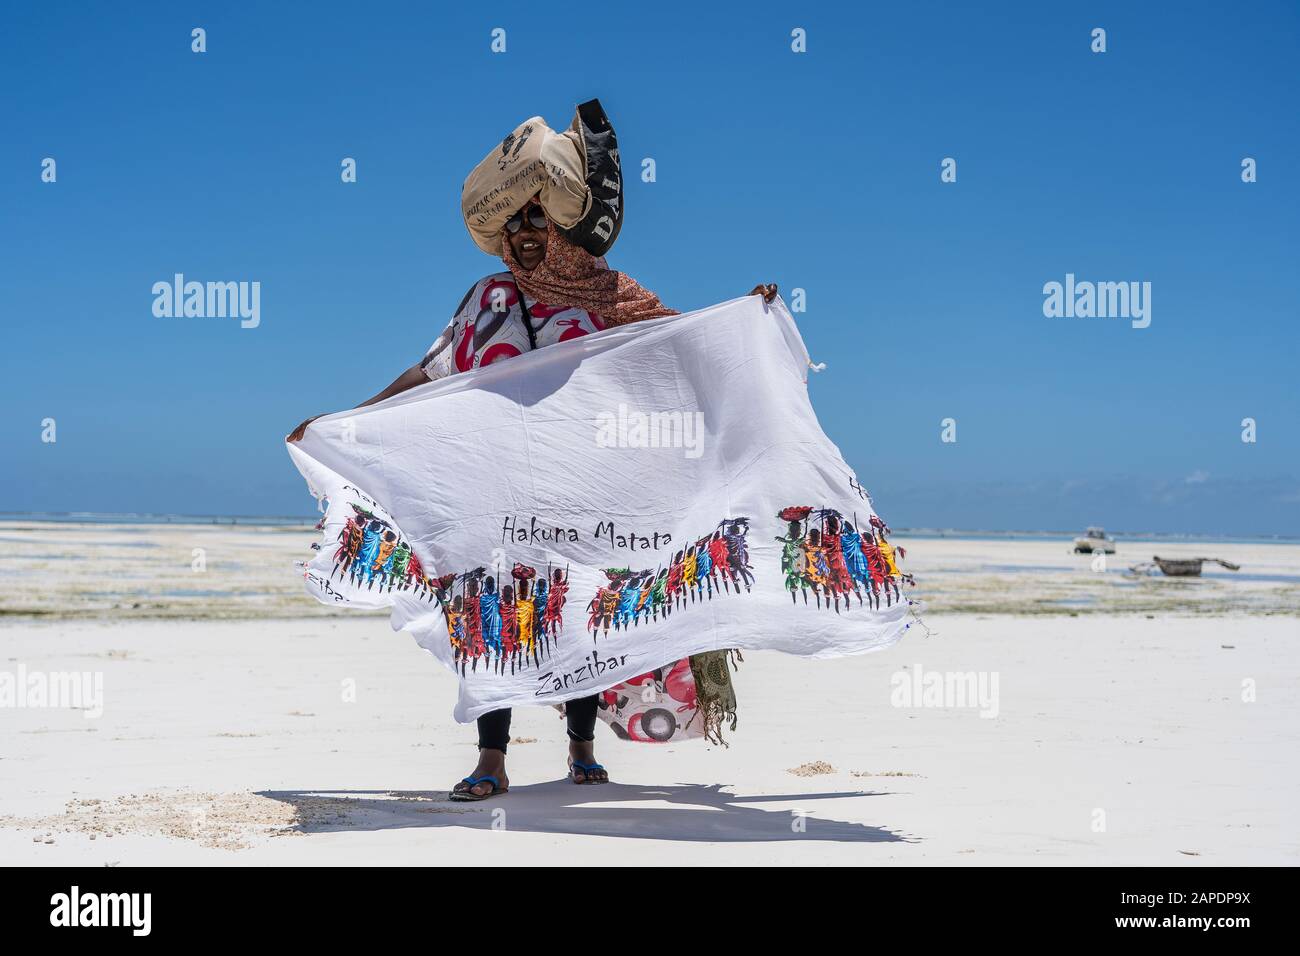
(695, 812)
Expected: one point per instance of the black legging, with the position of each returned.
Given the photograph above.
(494, 727)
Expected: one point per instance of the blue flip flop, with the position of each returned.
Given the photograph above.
(465, 796)
(587, 769)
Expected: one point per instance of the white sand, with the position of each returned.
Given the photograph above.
(229, 743)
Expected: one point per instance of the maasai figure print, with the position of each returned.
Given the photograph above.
(827, 554)
(507, 627)
(717, 562)
(655, 596)
(371, 553)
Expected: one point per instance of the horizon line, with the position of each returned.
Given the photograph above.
(151, 517)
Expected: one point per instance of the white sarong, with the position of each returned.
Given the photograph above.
(581, 517)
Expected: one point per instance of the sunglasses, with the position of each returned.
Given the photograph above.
(536, 219)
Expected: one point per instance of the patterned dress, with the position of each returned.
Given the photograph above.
(489, 326)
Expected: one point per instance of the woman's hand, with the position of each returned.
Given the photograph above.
(767, 291)
(297, 433)
(412, 377)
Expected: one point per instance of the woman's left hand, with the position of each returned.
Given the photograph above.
(767, 291)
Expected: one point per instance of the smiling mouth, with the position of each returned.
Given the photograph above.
(529, 246)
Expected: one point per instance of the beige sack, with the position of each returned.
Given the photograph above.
(533, 159)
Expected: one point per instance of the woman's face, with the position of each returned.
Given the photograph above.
(528, 243)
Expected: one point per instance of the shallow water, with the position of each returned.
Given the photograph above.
(67, 570)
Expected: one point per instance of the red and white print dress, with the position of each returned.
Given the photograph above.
(490, 326)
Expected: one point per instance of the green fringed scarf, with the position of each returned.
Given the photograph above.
(714, 694)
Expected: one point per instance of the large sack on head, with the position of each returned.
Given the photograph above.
(574, 174)
(600, 224)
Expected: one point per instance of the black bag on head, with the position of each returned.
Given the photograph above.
(597, 230)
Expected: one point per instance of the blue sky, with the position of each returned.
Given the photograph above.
(817, 170)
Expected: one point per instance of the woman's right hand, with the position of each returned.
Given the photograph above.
(297, 433)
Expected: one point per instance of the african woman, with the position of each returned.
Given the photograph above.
(626, 604)
(840, 581)
(370, 544)
(878, 569)
(553, 618)
(690, 564)
(415, 573)
(891, 565)
(738, 552)
(703, 567)
(543, 218)
(456, 628)
(383, 560)
(719, 558)
(792, 560)
(397, 568)
(674, 585)
(509, 625)
(349, 544)
(609, 603)
(815, 571)
(524, 615)
(659, 594)
(489, 609)
(540, 587)
(643, 596)
(854, 560)
(594, 609)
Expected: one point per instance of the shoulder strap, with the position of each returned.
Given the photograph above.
(528, 317)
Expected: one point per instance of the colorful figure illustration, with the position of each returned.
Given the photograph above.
(552, 620)
(793, 560)
(854, 560)
(703, 567)
(505, 626)
(609, 597)
(627, 598)
(371, 540)
(509, 626)
(690, 567)
(738, 551)
(718, 556)
(473, 618)
(456, 627)
(524, 615)
(371, 552)
(816, 570)
(674, 581)
(489, 606)
(632, 598)
(830, 555)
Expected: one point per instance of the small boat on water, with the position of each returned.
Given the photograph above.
(1094, 540)
(1180, 567)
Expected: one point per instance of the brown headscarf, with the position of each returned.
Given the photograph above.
(570, 275)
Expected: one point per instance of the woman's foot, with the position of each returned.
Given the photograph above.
(491, 763)
(582, 763)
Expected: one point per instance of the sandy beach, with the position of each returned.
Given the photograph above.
(1124, 721)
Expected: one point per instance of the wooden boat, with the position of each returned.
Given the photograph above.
(1178, 567)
